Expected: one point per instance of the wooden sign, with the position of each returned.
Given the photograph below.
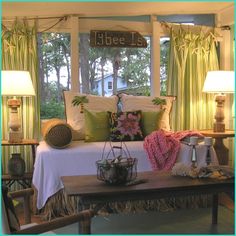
(102, 38)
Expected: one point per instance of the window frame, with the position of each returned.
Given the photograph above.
(144, 28)
(153, 29)
(109, 85)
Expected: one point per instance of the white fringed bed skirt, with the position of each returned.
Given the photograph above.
(80, 158)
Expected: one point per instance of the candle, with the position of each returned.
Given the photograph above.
(208, 141)
(193, 140)
(194, 156)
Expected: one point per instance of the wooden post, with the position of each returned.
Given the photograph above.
(155, 59)
(75, 84)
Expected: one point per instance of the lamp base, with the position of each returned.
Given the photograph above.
(15, 137)
(218, 127)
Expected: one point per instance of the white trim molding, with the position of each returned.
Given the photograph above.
(225, 16)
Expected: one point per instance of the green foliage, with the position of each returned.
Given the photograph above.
(52, 109)
(131, 64)
(138, 90)
(55, 48)
(135, 66)
(54, 53)
(164, 47)
(164, 87)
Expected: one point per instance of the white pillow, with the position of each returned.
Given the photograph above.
(144, 103)
(95, 103)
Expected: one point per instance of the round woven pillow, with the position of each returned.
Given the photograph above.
(57, 133)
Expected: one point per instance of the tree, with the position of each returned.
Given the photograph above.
(56, 60)
(51, 108)
(135, 70)
(54, 54)
(84, 62)
(131, 64)
(165, 45)
(65, 44)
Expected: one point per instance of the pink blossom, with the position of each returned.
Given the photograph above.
(128, 124)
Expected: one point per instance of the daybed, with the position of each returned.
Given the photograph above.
(80, 156)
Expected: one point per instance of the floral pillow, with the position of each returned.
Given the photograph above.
(125, 126)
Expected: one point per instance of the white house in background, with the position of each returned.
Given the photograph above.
(108, 85)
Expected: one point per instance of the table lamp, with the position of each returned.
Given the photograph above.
(16, 83)
(220, 83)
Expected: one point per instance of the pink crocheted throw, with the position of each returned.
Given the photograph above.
(162, 147)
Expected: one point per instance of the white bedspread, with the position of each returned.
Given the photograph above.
(80, 158)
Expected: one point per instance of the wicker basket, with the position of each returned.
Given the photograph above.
(119, 170)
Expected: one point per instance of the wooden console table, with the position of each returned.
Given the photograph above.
(221, 150)
(158, 185)
(25, 180)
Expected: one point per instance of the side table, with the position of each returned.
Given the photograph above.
(221, 150)
(25, 180)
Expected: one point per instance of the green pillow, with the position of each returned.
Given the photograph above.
(151, 121)
(96, 126)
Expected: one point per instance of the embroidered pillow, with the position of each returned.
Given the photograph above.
(125, 126)
(146, 103)
(96, 126)
(151, 121)
(75, 113)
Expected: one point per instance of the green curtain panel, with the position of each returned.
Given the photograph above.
(192, 53)
(19, 52)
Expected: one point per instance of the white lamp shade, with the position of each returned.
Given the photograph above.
(16, 83)
(219, 82)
